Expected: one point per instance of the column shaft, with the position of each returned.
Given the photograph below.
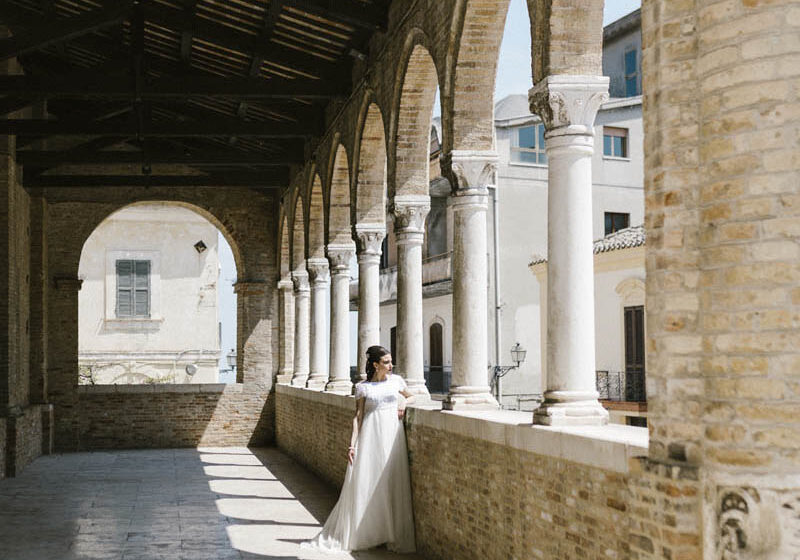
(369, 238)
(286, 290)
(568, 105)
(320, 281)
(301, 327)
(339, 371)
(410, 212)
(470, 173)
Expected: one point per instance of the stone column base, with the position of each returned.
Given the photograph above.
(339, 386)
(570, 408)
(316, 381)
(299, 380)
(470, 398)
(419, 390)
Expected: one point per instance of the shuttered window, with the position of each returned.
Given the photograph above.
(133, 288)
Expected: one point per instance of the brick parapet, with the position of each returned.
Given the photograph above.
(487, 488)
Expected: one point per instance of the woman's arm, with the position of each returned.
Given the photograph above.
(409, 398)
(357, 419)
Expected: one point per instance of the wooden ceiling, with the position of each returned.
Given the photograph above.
(139, 92)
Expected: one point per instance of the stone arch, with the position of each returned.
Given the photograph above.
(91, 222)
(414, 101)
(474, 51)
(316, 219)
(566, 37)
(338, 230)
(284, 255)
(298, 247)
(370, 165)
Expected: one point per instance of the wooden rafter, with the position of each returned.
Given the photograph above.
(54, 31)
(52, 158)
(100, 86)
(240, 179)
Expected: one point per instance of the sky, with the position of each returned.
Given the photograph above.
(513, 76)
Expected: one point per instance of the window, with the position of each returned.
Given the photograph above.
(133, 288)
(634, 354)
(632, 72)
(616, 221)
(615, 142)
(528, 145)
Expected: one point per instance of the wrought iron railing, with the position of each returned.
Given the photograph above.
(621, 386)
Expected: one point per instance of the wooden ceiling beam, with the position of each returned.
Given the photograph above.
(50, 31)
(84, 87)
(272, 180)
(52, 158)
(350, 12)
(159, 129)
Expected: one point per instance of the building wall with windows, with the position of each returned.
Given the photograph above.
(148, 303)
(622, 55)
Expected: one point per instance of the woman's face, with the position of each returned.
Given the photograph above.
(384, 365)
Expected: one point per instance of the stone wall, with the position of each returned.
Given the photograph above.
(492, 487)
(162, 416)
(27, 437)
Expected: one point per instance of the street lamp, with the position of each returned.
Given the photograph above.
(231, 358)
(518, 353)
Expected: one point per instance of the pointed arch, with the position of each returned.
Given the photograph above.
(316, 220)
(409, 164)
(370, 165)
(298, 249)
(338, 229)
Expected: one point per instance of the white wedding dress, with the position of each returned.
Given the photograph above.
(375, 504)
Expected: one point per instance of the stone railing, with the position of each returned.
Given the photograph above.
(489, 484)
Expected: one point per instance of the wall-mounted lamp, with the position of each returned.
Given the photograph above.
(200, 246)
(518, 353)
(231, 358)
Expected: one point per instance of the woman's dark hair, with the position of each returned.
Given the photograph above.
(374, 354)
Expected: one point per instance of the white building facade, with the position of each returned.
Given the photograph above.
(148, 309)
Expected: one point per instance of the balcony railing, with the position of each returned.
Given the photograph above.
(621, 386)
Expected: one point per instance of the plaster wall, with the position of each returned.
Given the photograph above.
(183, 325)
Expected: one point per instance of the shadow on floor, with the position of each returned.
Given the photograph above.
(173, 504)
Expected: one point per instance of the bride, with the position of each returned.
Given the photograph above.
(375, 504)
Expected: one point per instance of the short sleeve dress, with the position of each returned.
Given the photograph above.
(375, 504)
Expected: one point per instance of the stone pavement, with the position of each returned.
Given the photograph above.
(193, 504)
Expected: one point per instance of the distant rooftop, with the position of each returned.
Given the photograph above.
(623, 25)
(623, 239)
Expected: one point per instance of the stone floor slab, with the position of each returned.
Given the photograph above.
(206, 503)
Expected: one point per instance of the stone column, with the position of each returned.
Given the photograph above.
(470, 173)
(320, 281)
(368, 240)
(409, 228)
(339, 257)
(286, 304)
(567, 106)
(302, 295)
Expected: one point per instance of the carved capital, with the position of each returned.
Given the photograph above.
(339, 257)
(318, 271)
(369, 238)
(568, 104)
(285, 284)
(300, 280)
(470, 170)
(748, 524)
(410, 212)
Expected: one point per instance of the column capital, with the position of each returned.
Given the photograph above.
(68, 283)
(470, 170)
(568, 104)
(285, 284)
(369, 238)
(410, 212)
(318, 271)
(300, 281)
(339, 257)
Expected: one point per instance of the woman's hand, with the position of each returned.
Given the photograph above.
(351, 454)
(401, 412)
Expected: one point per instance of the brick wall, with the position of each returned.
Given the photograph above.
(130, 417)
(485, 489)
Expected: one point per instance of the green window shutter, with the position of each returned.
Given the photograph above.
(142, 287)
(124, 288)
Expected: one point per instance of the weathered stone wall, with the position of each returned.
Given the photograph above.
(487, 488)
(722, 114)
(156, 416)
